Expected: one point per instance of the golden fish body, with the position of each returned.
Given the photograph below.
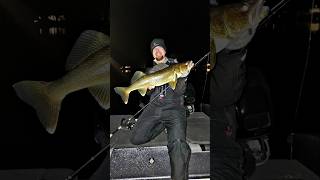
(88, 66)
(233, 25)
(141, 81)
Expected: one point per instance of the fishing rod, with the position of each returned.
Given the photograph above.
(70, 177)
(302, 82)
(128, 124)
(125, 124)
(201, 59)
(273, 12)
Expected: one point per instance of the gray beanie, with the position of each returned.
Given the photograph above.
(157, 42)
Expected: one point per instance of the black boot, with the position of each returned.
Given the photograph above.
(179, 152)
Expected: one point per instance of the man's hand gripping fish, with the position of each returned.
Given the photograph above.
(233, 26)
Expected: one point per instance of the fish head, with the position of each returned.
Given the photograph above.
(183, 68)
(235, 18)
(235, 24)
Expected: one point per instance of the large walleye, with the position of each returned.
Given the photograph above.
(141, 81)
(89, 67)
(233, 26)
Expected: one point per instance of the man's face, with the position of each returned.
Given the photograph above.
(158, 53)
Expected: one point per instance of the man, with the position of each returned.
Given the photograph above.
(167, 111)
(231, 36)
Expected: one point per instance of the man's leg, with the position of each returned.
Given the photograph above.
(226, 86)
(179, 150)
(226, 154)
(148, 126)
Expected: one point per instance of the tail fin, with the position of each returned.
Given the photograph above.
(35, 94)
(122, 91)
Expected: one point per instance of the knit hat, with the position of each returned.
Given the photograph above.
(157, 42)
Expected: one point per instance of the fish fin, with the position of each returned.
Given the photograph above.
(173, 84)
(220, 43)
(102, 94)
(137, 75)
(88, 42)
(143, 91)
(122, 91)
(35, 94)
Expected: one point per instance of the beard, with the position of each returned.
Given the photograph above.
(159, 58)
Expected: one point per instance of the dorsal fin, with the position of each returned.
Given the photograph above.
(88, 42)
(173, 84)
(137, 75)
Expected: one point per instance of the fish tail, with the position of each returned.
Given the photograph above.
(122, 91)
(47, 106)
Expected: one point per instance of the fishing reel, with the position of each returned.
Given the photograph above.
(189, 99)
(127, 124)
(190, 109)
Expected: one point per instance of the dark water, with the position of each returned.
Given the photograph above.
(27, 55)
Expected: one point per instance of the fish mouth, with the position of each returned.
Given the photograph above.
(258, 12)
(183, 68)
(188, 63)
